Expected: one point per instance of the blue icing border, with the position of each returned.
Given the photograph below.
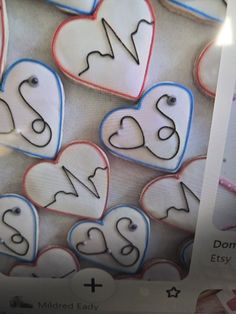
(36, 225)
(138, 107)
(194, 10)
(61, 94)
(101, 222)
(73, 9)
(182, 252)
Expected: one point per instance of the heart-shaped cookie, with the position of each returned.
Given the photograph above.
(158, 270)
(206, 69)
(31, 107)
(118, 242)
(53, 262)
(185, 253)
(208, 11)
(115, 57)
(18, 227)
(154, 133)
(175, 199)
(161, 270)
(3, 36)
(85, 7)
(75, 184)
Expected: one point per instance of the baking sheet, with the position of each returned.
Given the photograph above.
(178, 42)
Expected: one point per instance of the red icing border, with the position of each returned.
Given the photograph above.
(45, 250)
(197, 70)
(56, 161)
(87, 83)
(150, 264)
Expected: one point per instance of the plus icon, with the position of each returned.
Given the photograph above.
(93, 285)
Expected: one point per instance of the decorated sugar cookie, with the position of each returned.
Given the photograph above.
(118, 242)
(207, 68)
(185, 253)
(115, 56)
(208, 11)
(161, 270)
(158, 270)
(154, 133)
(75, 184)
(53, 262)
(85, 7)
(18, 227)
(31, 109)
(175, 199)
(3, 36)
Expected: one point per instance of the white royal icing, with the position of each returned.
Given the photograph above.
(101, 60)
(4, 33)
(53, 262)
(76, 6)
(164, 199)
(161, 270)
(207, 68)
(18, 227)
(31, 109)
(75, 184)
(206, 10)
(118, 242)
(154, 133)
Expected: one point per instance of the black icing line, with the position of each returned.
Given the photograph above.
(16, 238)
(40, 119)
(159, 136)
(126, 250)
(11, 117)
(101, 223)
(70, 175)
(34, 275)
(183, 187)
(111, 55)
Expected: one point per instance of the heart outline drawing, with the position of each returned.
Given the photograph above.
(88, 83)
(36, 227)
(139, 107)
(60, 91)
(197, 13)
(56, 162)
(72, 9)
(177, 177)
(41, 254)
(101, 224)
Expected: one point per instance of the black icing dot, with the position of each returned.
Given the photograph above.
(171, 100)
(17, 210)
(133, 227)
(33, 81)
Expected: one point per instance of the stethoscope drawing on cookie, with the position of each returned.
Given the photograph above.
(127, 250)
(171, 131)
(16, 238)
(39, 126)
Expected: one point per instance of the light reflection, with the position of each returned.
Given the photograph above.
(5, 151)
(225, 37)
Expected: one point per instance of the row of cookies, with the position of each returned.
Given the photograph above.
(43, 137)
(117, 140)
(89, 180)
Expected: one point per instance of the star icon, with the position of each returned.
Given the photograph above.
(173, 292)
